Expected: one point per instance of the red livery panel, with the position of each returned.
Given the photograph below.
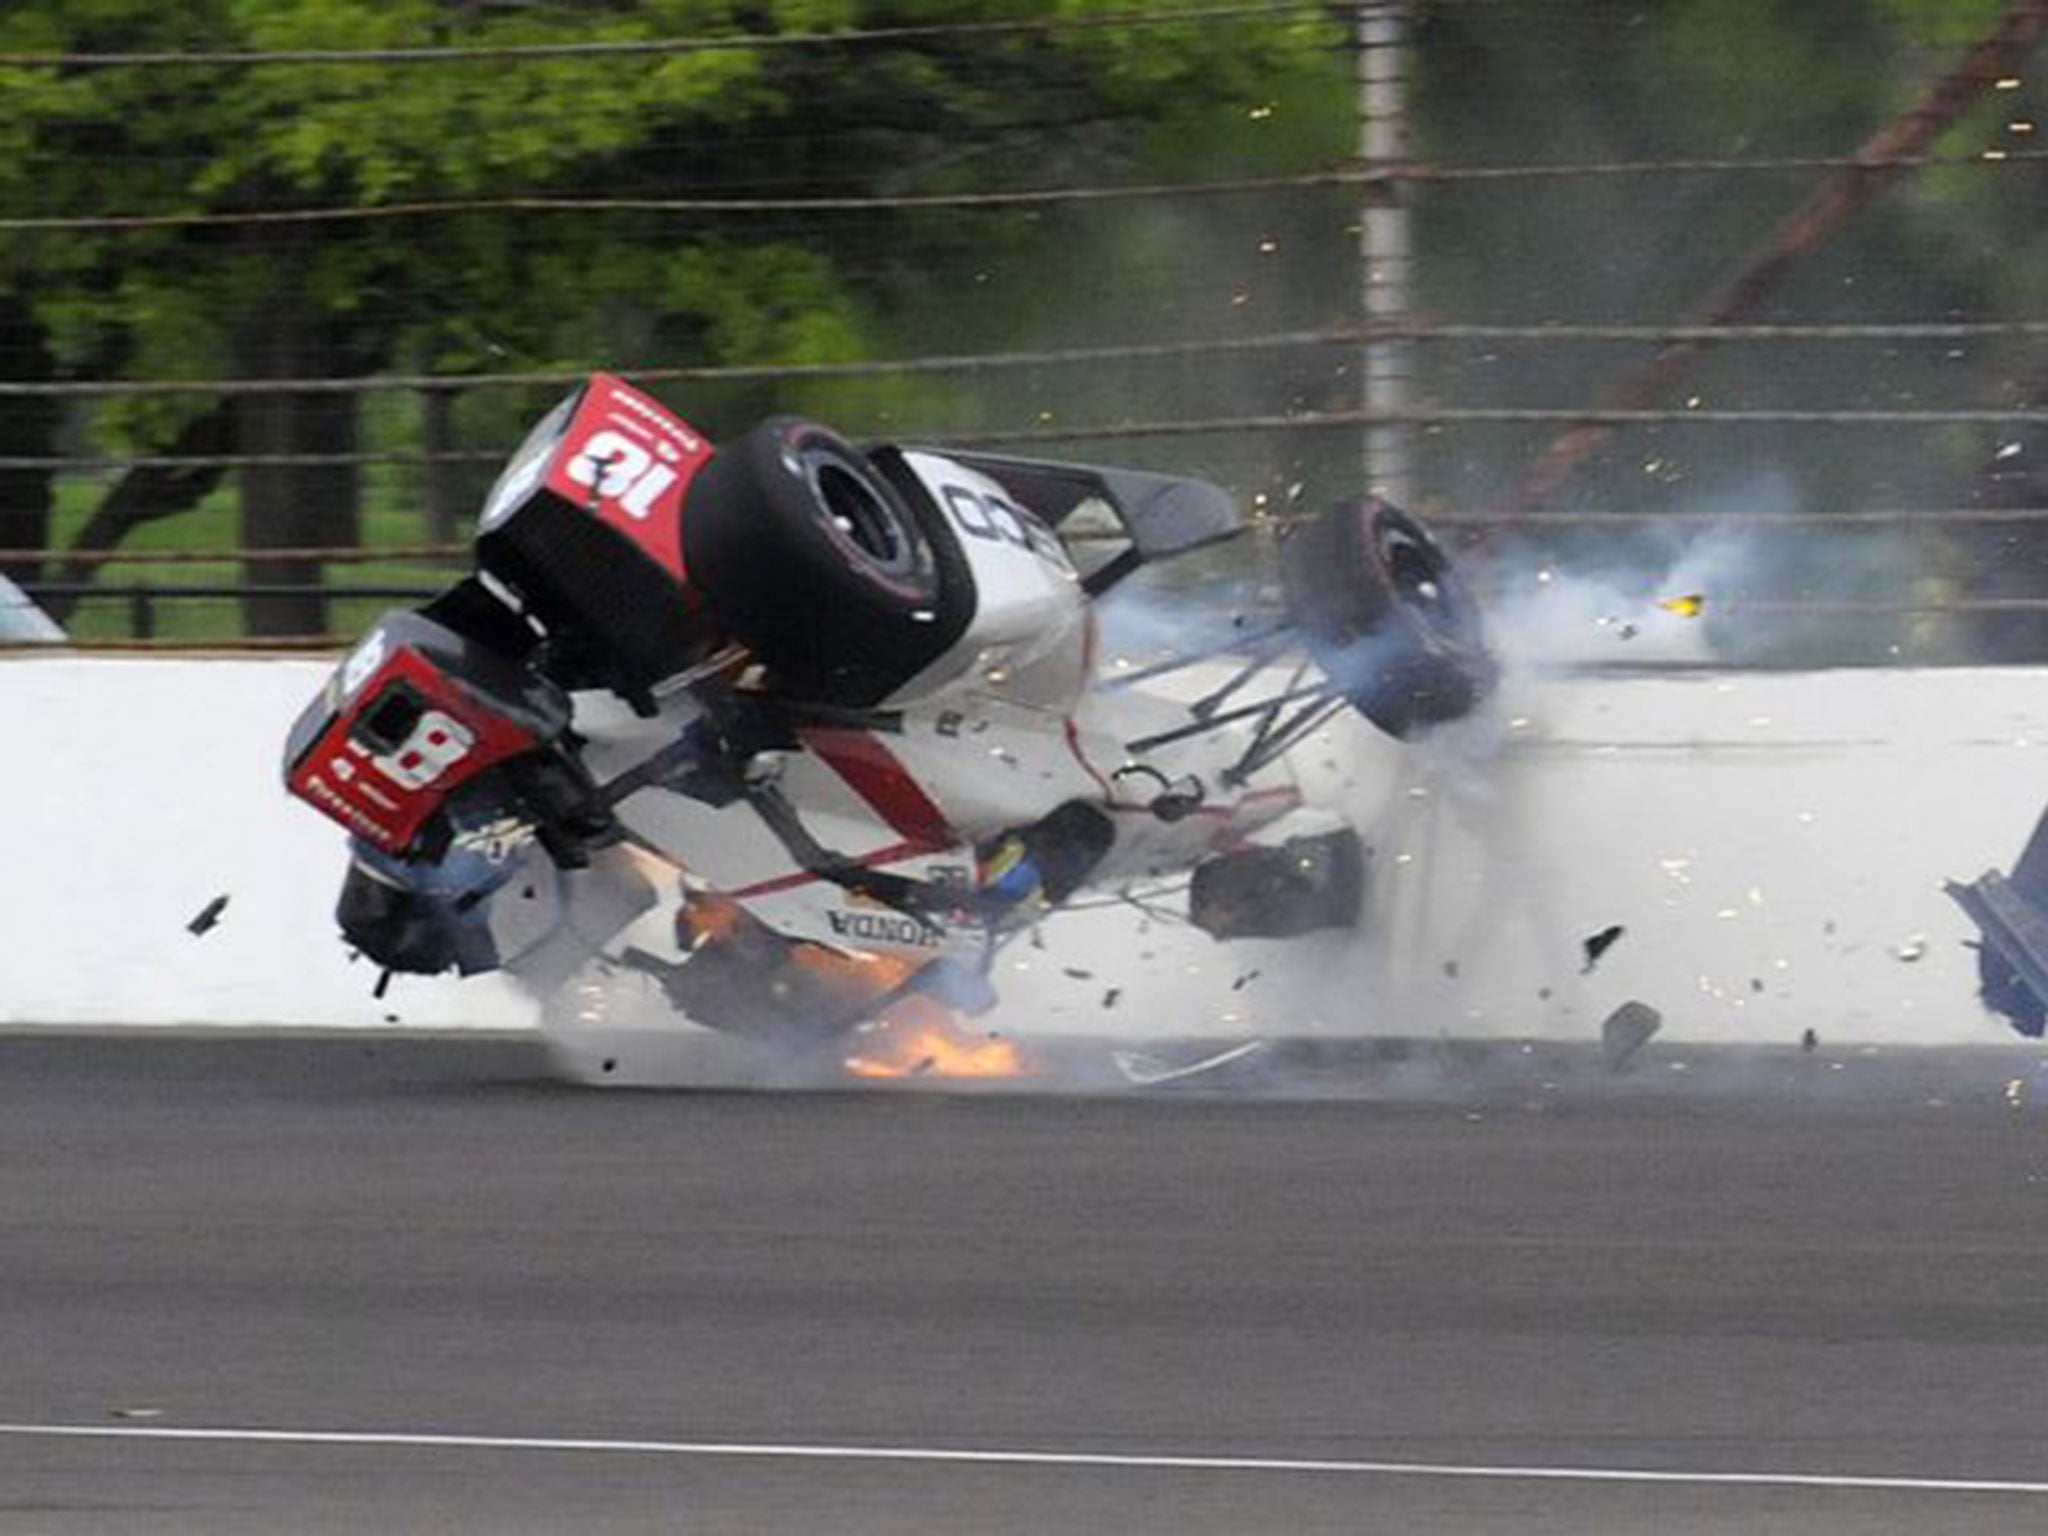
(629, 459)
(403, 737)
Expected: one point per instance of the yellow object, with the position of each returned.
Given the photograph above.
(1690, 606)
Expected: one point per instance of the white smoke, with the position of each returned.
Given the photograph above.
(1671, 594)
(1771, 590)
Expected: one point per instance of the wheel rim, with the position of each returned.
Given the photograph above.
(858, 513)
(1423, 582)
(874, 533)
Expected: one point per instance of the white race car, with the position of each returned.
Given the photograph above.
(808, 731)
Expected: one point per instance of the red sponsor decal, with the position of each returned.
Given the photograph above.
(774, 885)
(629, 459)
(426, 736)
(872, 772)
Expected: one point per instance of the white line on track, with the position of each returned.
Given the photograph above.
(942, 1456)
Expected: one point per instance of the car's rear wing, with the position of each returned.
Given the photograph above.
(1162, 514)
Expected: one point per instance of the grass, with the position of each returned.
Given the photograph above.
(392, 516)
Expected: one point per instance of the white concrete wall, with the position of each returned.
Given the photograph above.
(132, 793)
(1773, 844)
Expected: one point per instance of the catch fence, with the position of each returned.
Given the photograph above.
(1431, 302)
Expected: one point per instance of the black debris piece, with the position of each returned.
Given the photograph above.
(1598, 944)
(1109, 998)
(390, 1018)
(1809, 1042)
(1451, 970)
(1756, 983)
(1244, 981)
(208, 917)
(1077, 973)
(1626, 1031)
(1543, 994)
(383, 982)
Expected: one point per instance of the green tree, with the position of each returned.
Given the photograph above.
(928, 111)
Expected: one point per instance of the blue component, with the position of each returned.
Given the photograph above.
(410, 915)
(1018, 883)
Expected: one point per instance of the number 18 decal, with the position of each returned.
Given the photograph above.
(437, 743)
(621, 470)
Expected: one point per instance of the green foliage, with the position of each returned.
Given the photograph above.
(932, 113)
(500, 288)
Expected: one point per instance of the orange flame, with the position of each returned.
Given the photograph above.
(919, 1038)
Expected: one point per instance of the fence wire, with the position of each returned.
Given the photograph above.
(1358, 185)
(664, 47)
(1384, 176)
(1418, 330)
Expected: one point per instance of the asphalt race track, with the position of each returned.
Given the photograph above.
(333, 1286)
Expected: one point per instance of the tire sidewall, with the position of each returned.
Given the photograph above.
(819, 473)
(781, 532)
(1367, 574)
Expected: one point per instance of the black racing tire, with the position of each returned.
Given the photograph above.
(844, 584)
(1385, 614)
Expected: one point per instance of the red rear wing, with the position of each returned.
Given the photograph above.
(393, 736)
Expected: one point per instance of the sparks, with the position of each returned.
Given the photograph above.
(920, 1038)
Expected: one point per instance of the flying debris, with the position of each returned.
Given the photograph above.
(1689, 606)
(1809, 1041)
(1627, 1030)
(2011, 911)
(1598, 944)
(208, 917)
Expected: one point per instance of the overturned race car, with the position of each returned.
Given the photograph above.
(805, 732)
